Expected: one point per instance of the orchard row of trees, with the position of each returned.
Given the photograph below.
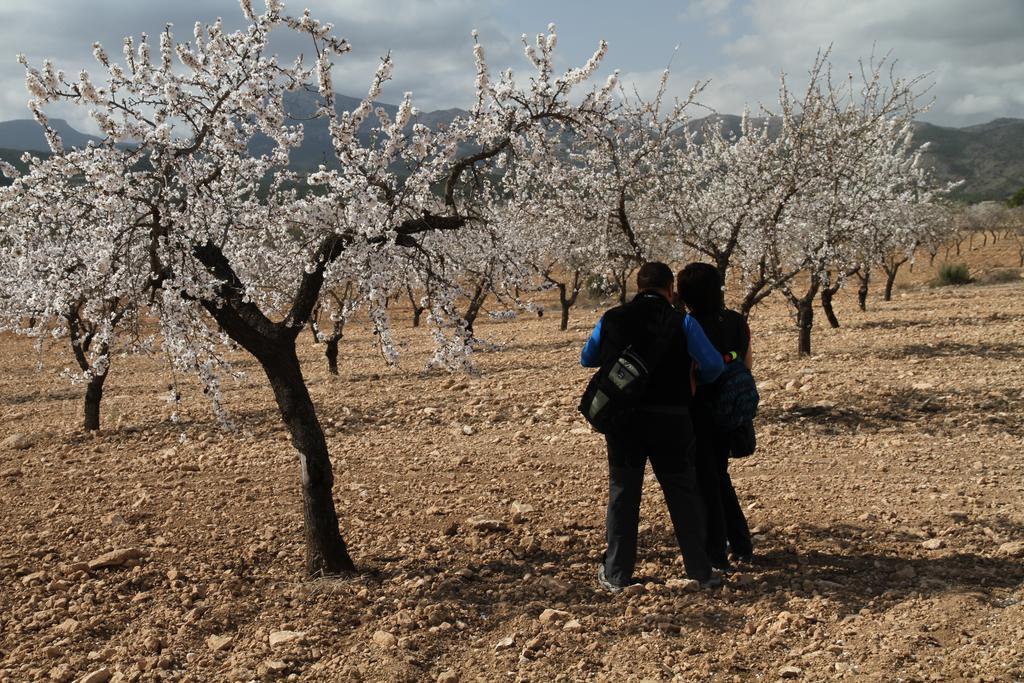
(174, 235)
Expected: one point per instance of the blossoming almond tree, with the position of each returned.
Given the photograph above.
(226, 264)
(61, 281)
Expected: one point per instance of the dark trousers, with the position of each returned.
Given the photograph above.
(666, 439)
(725, 519)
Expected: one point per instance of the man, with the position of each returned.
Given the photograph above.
(659, 430)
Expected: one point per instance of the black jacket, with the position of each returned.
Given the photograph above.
(636, 324)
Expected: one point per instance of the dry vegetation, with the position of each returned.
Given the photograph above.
(885, 495)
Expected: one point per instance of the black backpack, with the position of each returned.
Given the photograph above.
(733, 407)
(617, 388)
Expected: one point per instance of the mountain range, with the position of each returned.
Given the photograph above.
(988, 157)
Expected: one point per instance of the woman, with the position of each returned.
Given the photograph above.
(699, 286)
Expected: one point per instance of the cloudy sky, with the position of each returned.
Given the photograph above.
(972, 50)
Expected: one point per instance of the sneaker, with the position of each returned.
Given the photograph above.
(605, 583)
(713, 581)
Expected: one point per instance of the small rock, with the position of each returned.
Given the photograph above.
(572, 625)
(385, 639)
(34, 577)
(114, 519)
(11, 473)
(791, 672)
(519, 512)
(687, 585)
(67, 627)
(549, 616)
(97, 676)
(116, 558)
(487, 524)
(275, 666)
(283, 637)
(793, 385)
(17, 442)
(505, 643)
(468, 431)
(218, 643)
(1013, 549)
(448, 676)
(933, 544)
(633, 589)
(61, 674)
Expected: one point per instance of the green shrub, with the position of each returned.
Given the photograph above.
(953, 274)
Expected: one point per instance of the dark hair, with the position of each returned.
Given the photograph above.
(700, 286)
(654, 275)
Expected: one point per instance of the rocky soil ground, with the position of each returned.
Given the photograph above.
(885, 496)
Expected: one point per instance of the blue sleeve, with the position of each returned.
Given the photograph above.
(709, 361)
(591, 355)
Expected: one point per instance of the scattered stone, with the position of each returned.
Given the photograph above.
(505, 643)
(34, 577)
(116, 558)
(448, 676)
(17, 442)
(1013, 549)
(97, 676)
(793, 385)
(933, 544)
(12, 473)
(275, 666)
(114, 519)
(482, 524)
(519, 512)
(61, 674)
(572, 625)
(284, 637)
(218, 643)
(686, 585)
(791, 672)
(633, 589)
(67, 627)
(451, 529)
(550, 616)
(385, 639)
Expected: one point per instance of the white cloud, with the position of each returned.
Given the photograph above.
(973, 51)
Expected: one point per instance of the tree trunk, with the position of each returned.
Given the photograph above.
(805, 321)
(417, 309)
(862, 290)
(93, 397)
(564, 324)
(331, 351)
(476, 302)
(890, 280)
(805, 313)
(826, 304)
(567, 301)
(326, 552)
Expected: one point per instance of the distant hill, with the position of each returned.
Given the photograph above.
(989, 157)
(26, 135)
